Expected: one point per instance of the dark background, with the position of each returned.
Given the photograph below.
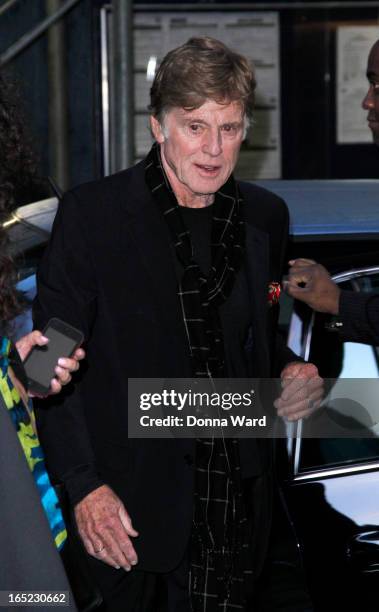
(309, 148)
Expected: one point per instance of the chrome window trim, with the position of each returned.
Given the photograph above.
(105, 93)
(344, 276)
(336, 471)
(297, 447)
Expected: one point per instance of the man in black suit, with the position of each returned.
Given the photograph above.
(310, 282)
(166, 268)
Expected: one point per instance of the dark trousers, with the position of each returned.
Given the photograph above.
(138, 591)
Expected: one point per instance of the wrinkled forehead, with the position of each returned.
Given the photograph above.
(373, 61)
(210, 111)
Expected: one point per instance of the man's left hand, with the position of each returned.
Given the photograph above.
(64, 367)
(302, 391)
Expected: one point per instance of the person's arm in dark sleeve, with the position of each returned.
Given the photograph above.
(283, 355)
(359, 317)
(66, 289)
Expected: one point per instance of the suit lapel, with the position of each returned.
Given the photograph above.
(143, 221)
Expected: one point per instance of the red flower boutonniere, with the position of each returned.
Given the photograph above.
(273, 296)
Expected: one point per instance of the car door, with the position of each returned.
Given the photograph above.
(333, 484)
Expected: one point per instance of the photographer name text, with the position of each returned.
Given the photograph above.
(195, 421)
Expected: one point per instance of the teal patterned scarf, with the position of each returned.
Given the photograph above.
(23, 419)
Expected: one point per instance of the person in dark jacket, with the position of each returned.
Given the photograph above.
(167, 268)
(310, 282)
(32, 528)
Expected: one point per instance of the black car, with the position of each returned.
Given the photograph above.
(331, 484)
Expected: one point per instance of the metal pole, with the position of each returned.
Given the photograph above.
(58, 99)
(124, 86)
(7, 6)
(35, 33)
(250, 6)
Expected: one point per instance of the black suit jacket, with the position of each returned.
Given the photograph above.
(109, 271)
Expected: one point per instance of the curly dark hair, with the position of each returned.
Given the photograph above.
(17, 177)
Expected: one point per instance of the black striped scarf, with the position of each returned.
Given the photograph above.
(219, 549)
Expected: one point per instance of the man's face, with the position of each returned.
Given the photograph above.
(371, 100)
(200, 148)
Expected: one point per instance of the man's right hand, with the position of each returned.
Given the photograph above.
(105, 528)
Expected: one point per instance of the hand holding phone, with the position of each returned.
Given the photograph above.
(41, 362)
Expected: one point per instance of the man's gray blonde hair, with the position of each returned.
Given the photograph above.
(202, 69)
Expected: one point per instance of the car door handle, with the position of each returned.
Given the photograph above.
(363, 552)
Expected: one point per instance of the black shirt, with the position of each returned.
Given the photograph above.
(235, 312)
(236, 319)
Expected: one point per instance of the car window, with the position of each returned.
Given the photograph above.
(340, 361)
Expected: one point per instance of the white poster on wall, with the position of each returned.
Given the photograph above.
(353, 46)
(255, 35)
